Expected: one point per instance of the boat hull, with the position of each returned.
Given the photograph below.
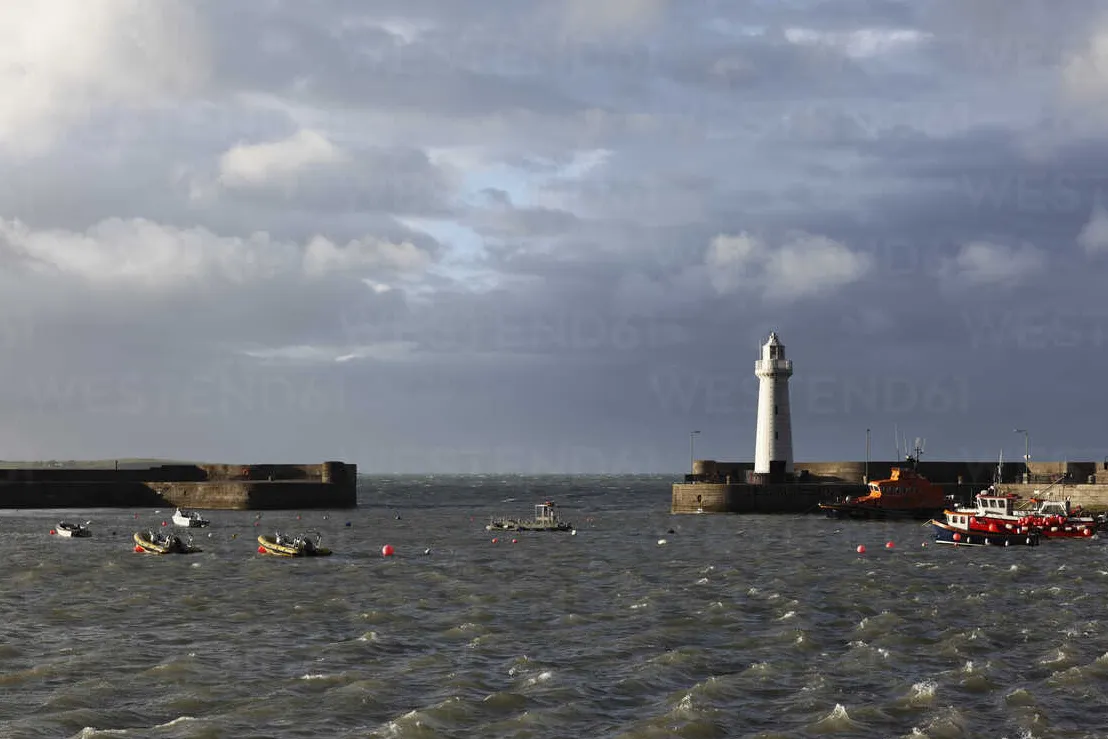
(527, 526)
(946, 534)
(875, 513)
(269, 545)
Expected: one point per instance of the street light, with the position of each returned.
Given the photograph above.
(692, 436)
(1026, 450)
(867, 457)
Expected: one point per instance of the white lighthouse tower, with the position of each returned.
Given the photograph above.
(774, 440)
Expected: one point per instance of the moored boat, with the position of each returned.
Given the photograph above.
(905, 494)
(65, 529)
(281, 545)
(189, 519)
(994, 512)
(152, 542)
(546, 519)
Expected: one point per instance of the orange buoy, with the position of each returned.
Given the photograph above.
(861, 549)
(387, 550)
(957, 536)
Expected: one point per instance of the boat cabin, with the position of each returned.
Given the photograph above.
(544, 513)
(987, 505)
(1051, 507)
(996, 504)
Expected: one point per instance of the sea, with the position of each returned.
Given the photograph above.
(641, 624)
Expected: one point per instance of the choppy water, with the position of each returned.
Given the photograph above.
(736, 626)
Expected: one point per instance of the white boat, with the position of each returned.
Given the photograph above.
(70, 530)
(189, 519)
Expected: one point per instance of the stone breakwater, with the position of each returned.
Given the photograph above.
(210, 486)
(723, 487)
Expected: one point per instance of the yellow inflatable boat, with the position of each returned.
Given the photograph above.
(291, 546)
(151, 542)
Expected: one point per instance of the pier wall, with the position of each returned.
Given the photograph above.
(208, 486)
(742, 498)
(691, 497)
(940, 472)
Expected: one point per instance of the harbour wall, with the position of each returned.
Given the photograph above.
(721, 487)
(940, 472)
(206, 486)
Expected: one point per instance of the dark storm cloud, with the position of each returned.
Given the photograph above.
(521, 205)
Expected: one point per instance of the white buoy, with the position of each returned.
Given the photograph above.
(661, 542)
(774, 438)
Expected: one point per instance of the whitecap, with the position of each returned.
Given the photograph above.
(837, 720)
(542, 677)
(922, 693)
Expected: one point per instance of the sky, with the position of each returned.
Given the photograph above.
(550, 236)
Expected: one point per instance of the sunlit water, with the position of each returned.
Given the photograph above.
(735, 626)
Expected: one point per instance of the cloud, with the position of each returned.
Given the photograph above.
(862, 43)
(277, 162)
(141, 254)
(1086, 72)
(362, 217)
(587, 18)
(982, 263)
(62, 64)
(1094, 236)
(802, 266)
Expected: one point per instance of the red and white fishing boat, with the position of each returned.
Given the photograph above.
(998, 512)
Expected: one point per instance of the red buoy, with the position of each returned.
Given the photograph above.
(513, 541)
(957, 536)
(138, 549)
(261, 549)
(387, 550)
(52, 532)
(495, 541)
(861, 549)
(889, 545)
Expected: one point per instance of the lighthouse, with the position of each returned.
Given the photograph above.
(773, 448)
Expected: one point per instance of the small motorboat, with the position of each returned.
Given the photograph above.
(546, 519)
(189, 519)
(152, 542)
(281, 545)
(72, 530)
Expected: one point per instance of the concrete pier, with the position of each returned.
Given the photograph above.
(723, 487)
(207, 486)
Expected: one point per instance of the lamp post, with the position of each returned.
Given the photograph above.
(867, 458)
(692, 436)
(1026, 452)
